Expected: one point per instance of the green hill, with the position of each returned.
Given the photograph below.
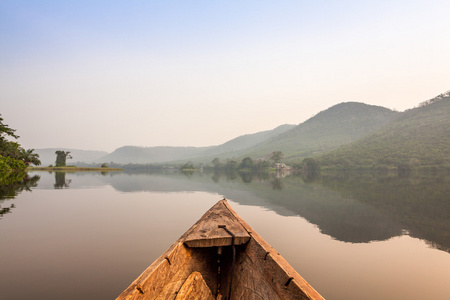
(329, 129)
(145, 155)
(418, 137)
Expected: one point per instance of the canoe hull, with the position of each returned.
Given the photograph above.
(258, 272)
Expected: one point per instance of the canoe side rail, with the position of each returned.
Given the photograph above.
(273, 269)
(248, 268)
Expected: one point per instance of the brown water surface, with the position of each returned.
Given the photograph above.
(88, 235)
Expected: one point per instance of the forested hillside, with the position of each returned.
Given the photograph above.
(329, 129)
(418, 137)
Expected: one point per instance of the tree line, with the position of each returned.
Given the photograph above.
(13, 157)
(307, 165)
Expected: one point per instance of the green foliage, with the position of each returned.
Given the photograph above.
(61, 157)
(261, 165)
(277, 156)
(339, 125)
(247, 163)
(231, 165)
(14, 157)
(187, 166)
(9, 164)
(310, 167)
(217, 164)
(6, 131)
(417, 138)
(29, 157)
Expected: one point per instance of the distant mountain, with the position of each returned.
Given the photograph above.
(146, 155)
(48, 156)
(345, 135)
(418, 137)
(248, 141)
(241, 145)
(329, 129)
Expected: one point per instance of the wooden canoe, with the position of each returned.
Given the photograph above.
(220, 257)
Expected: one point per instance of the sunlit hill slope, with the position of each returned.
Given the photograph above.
(418, 137)
(329, 129)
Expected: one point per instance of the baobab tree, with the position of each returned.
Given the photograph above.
(61, 157)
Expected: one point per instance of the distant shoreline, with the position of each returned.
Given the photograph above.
(73, 169)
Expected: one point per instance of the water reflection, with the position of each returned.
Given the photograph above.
(277, 184)
(349, 207)
(60, 180)
(6, 210)
(12, 184)
(16, 183)
(421, 204)
(355, 208)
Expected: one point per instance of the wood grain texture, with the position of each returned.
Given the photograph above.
(259, 271)
(194, 288)
(210, 230)
(277, 271)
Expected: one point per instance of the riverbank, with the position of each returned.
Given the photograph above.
(73, 169)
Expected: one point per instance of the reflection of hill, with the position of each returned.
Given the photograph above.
(340, 217)
(420, 204)
(351, 208)
(344, 219)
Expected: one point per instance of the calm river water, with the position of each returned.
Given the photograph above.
(89, 235)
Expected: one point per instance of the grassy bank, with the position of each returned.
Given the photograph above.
(73, 169)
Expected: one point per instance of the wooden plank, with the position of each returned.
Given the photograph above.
(194, 288)
(249, 283)
(216, 228)
(156, 278)
(284, 279)
(260, 272)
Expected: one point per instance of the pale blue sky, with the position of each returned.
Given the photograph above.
(102, 74)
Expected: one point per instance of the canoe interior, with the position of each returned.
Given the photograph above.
(184, 272)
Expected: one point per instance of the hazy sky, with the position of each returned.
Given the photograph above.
(99, 75)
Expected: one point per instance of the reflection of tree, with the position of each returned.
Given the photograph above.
(310, 167)
(277, 184)
(247, 177)
(60, 180)
(230, 174)
(187, 173)
(216, 176)
(12, 184)
(6, 210)
(310, 177)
